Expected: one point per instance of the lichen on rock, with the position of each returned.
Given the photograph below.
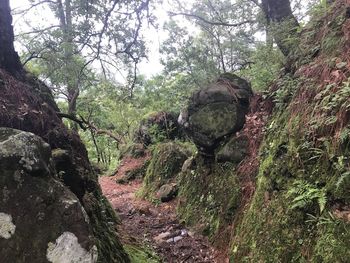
(67, 249)
(7, 228)
(41, 207)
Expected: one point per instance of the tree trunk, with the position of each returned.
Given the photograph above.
(9, 59)
(72, 85)
(282, 23)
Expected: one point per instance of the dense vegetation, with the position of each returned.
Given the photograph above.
(275, 187)
(203, 40)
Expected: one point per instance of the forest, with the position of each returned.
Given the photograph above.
(174, 131)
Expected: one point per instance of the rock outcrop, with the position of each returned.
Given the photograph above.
(216, 111)
(41, 220)
(29, 105)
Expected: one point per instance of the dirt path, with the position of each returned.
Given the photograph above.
(155, 224)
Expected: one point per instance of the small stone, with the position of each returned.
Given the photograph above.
(178, 238)
(167, 192)
(184, 232)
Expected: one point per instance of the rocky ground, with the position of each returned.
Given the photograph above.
(155, 224)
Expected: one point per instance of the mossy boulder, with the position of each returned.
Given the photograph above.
(209, 194)
(216, 111)
(158, 127)
(235, 150)
(41, 220)
(166, 162)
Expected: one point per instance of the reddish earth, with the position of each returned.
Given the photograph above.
(154, 224)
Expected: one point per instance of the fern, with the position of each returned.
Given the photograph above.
(342, 179)
(305, 194)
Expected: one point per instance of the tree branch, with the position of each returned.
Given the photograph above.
(85, 124)
(212, 22)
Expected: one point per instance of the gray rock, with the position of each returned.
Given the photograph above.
(234, 150)
(39, 216)
(187, 164)
(167, 192)
(216, 111)
(178, 238)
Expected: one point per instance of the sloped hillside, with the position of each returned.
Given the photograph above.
(300, 211)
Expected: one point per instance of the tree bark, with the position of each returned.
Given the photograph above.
(9, 59)
(283, 24)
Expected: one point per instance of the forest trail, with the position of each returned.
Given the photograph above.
(154, 224)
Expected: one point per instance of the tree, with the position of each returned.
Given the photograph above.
(284, 25)
(9, 59)
(83, 36)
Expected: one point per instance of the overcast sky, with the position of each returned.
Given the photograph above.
(153, 36)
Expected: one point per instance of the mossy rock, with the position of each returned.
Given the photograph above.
(137, 173)
(41, 220)
(216, 111)
(165, 164)
(209, 194)
(235, 150)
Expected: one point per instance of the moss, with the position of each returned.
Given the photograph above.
(332, 241)
(213, 118)
(165, 164)
(209, 195)
(282, 227)
(141, 254)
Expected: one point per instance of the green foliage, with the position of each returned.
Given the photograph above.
(304, 194)
(286, 89)
(266, 65)
(144, 254)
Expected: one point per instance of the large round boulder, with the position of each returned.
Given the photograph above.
(41, 220)
(216, 111)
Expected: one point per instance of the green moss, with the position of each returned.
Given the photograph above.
(213, 118)
(165, 164)
(209, 195)
(141, 255)
(299, 178)
(332, 241)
